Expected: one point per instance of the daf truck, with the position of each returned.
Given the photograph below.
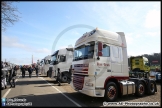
(100, 67)
(60, 64)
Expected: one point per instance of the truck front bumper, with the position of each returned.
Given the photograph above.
(93, 93)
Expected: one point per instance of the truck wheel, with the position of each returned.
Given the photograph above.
(140, 90)
(151, 88)
(111, 92)
(64, 79)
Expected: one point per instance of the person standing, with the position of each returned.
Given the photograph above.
(2, 65)
(36, 69)
(3, 78)
(156, 69)
(12, 76)
(23, 71)
(30, 71)
(58, 77)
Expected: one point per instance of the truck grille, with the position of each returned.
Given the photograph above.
(78, 81)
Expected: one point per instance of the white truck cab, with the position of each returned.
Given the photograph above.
(100, 66)
(41, 64)
(61, 61)
(46, 64)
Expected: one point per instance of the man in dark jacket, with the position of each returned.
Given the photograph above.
(36, 69)
(30, 71)
(12, 76)
(23, 71)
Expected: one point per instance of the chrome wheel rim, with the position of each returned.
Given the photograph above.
(111, 92)
(141, 89)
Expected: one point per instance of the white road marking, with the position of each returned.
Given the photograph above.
(62, 93)
(6, 93)
(9, 89)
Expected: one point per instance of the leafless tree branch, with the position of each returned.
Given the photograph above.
(8, 14)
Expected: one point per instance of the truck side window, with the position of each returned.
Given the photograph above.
(46, 62)
(105, 51)
(62, 58)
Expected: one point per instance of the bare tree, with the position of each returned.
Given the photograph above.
(8, 15)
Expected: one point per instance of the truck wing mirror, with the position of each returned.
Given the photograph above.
(99, 49)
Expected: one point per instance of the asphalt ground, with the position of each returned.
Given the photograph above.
(42, 91)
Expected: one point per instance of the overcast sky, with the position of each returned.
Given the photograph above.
(42, 22)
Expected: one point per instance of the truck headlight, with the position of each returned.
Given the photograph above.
(89, 84)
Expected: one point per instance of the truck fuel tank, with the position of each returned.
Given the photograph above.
(127, 87)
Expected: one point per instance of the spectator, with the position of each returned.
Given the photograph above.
(156, 69)
(4, 64)
(3, 78)
(1, 64)
(23, 71)
(12, 76)
(36, 69)
(30, 71)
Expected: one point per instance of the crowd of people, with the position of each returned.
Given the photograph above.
(9, 72)
(30, 69)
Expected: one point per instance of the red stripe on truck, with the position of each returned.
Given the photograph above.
(117, 78)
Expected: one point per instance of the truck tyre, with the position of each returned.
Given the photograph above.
(151, 88)
(111, 92)
(64, 78)
(140, 89)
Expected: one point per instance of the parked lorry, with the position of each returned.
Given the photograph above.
(139, 66)
(46, 65)
(61, 61)
(139, 63)
(100, 67)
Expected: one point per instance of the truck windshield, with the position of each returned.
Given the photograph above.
(54, 57)
(146, 63)
(84, 51)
